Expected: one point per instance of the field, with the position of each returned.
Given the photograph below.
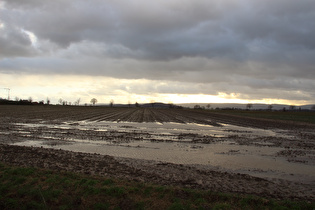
(33, 188)
(293, 116)
(262, 119)
(268, 154)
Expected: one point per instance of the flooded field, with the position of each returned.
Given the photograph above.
(194, 139)
(225, 147)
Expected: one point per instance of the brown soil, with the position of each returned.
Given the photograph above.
(151, 172)
(79, 113)
(301, 148)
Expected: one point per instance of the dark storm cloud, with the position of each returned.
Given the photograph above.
(14, 42)
(172, 29)
(235, 44)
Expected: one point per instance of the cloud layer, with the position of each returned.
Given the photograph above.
(257, 49)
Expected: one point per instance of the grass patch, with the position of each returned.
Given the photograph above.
(108, 182)
(29, 188)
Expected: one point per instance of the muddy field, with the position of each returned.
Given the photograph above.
(191, 148)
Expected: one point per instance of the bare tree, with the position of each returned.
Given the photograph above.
(197, 106)
(111, 103)
(93, 101)
(137, 105)
(30, 99)
(292, 107)
(270, 107)
(249, 106)
(47, 101)
(60, 101)
(208, 106)
(77, 102)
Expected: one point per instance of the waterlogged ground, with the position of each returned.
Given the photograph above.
(225, 147)
(193, 139)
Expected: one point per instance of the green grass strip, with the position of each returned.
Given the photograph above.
(30, 188)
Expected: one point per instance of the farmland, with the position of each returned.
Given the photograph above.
(202, 149)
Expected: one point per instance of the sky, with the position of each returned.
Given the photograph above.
(179, 51)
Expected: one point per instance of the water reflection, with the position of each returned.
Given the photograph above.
(171, 142)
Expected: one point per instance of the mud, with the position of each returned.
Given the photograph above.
(152, 172)
(187, 148)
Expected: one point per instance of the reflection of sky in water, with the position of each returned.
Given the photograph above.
(166, 128)
(238, 158)
(224, 154)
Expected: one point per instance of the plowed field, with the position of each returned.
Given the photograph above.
(76, 113)
(193, 148)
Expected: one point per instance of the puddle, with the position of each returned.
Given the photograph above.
(171, 142)
(166, 128)
(258, 161)
(264, 143)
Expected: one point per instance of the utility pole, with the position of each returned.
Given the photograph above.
(8, 89)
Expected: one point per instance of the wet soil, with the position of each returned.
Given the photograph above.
(62, 125)
(151, 172)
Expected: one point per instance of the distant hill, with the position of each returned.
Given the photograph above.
(183, 105)
(243, 106)
(146, 105)
(216, 105)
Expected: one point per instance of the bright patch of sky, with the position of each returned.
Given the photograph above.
(104, 89)
(31, 36)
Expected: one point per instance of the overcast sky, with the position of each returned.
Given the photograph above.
(167, 50)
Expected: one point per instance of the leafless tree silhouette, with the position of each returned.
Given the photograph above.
(249, 106)
(197, 106)
(93, 101)
(111, 103)
(77, 102)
